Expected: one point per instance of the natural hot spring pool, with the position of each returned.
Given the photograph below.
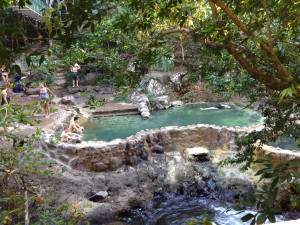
(109, 128)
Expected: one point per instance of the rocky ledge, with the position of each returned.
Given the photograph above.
(101, 156)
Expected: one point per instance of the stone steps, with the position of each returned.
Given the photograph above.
(60, 82)
(109, 109)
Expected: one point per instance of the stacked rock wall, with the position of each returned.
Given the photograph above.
(107, 156)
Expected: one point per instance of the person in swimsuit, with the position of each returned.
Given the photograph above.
(74, 71)
(5, 98)
(75, 127)
(45, 97)
(5, 75)
(67, 136)
(220, 106)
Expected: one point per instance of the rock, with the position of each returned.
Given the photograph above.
(132, 161)
(90, 78)
(162, 102)
(156, 88)
(144, 154)
(56, 101)
(176, 103)
(100, 214)
(177, 80)
(145, 115)
(196, 152)
(115, 223)
(101, 195)
(73, 90)
(115, 163)
(32, 91)
(68, 100)
(97, 89)
(142, 102)
(158, 149)
(99, 167)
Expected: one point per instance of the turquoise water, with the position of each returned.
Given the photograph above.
(109, 128)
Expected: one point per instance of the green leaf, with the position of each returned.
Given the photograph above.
(42, 59)
(49, 26)
(261, 218)
(271, 217)
(63, 169)
(191, 222)
(296, 174)
(247, 217)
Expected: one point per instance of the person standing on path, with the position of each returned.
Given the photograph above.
(45, 97)
(4, 75)
(74, 71)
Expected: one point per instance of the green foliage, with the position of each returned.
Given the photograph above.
(207, 219)
(92, 103)
(121, 96)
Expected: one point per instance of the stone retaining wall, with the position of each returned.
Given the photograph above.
(107, 156)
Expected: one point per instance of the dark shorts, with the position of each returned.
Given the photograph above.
(74, 75)
(7, 99)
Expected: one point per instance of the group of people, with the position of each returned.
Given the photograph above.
(44, 91)
(72, 133)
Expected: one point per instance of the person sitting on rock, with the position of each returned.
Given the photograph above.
(67, 136)
(74, 126)
(74, 71)
(5, 98)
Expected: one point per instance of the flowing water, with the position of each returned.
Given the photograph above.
(181, 209)
(109, 128)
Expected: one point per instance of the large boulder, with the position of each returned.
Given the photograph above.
(177, 80)
(162, 102)
(156, 88)
(90, 78)
(68, 100)
(176, 103)
(142, 102)
(32, 91)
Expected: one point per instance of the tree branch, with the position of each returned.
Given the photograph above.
(276, 62)
(282, 28)
(263, 2)
(160, 36)
(268, 80)
(233, 17)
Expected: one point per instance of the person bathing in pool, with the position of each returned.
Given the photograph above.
(67, 136)
(220, 106)
(74, 126)
(45, 97)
